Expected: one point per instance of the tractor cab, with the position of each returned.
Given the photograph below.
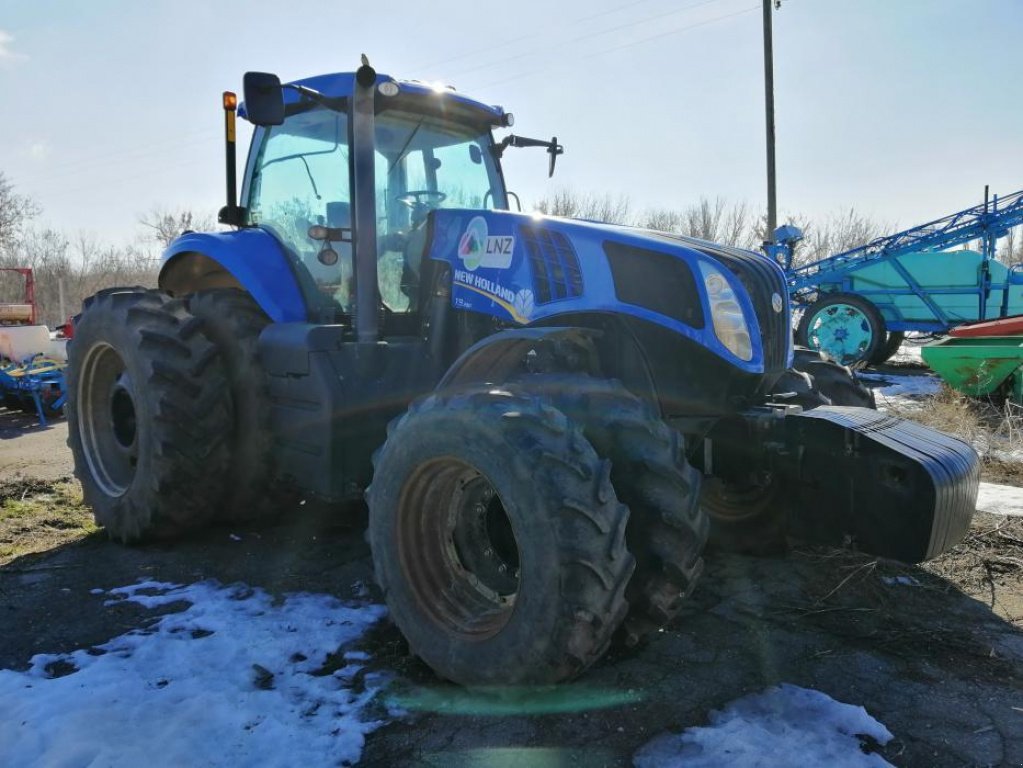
(329, 179)
(425, 154)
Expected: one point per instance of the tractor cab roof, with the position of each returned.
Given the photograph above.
(444, 98)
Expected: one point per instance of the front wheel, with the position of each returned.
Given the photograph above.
(649, 471)
(747, 516)
(498, 539)
(847, 328)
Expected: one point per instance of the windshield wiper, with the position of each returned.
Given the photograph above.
(338, 104)
(405, 147)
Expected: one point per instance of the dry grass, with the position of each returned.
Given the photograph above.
(994, 428)
(37, 516)
(948, 411)
(991, 550)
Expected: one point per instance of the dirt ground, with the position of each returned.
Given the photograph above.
(936, 656)
(29, 449)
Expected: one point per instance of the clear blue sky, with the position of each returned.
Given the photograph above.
(901, 108)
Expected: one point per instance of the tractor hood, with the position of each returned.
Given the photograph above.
(531, 268)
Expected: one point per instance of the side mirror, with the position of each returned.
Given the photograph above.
(264, 99)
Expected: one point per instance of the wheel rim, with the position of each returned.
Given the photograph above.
(457, 548)
(841, 331)
(732, 502)
(107, 421)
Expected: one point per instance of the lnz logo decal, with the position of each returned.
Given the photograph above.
(478, 248)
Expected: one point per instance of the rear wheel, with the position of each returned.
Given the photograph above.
(148, 414)
(233, 321)
(498, 540)
(847, 328)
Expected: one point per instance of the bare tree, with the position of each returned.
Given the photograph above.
(1011, 249)
(167, 225)
(15, 212)
(836, 233)
(661, 220)
(79, 266)
(714, 220)
(595, 207)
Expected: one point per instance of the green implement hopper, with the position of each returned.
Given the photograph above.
(978, 366)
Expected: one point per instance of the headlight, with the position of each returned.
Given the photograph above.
(730, 325)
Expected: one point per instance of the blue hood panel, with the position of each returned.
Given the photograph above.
(528, 268)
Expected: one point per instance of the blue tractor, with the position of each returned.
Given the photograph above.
(545, 416)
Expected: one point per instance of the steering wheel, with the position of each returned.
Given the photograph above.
(416, 198)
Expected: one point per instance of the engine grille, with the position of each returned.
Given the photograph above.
(655, 281)
(555, 265)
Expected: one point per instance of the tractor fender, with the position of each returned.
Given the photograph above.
(497, 357)
(250, 259)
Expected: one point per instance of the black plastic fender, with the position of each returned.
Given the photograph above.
(498, 357)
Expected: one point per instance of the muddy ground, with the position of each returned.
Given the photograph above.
(937, 657)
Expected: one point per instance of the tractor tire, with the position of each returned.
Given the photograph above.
(667, 528)
(498, 540)
(891, 346)
(837, 383)
(795, 387)
(148, 415)
(233, 321)
(845, 327)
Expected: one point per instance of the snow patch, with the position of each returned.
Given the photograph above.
(903, 581)
(908, 353)
(783, 726)
(236, 678)
(906, 392)
(901, 390)
(1000, 499)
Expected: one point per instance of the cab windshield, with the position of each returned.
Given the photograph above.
(301, 177)
(422, 163)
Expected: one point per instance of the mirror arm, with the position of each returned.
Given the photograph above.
(553, 148)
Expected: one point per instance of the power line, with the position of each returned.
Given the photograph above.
(532, 36)
(675, 31)
(150, 172)
(639, 22)
(84, 165)
(140, 152)
(630, 44)
(597, 33)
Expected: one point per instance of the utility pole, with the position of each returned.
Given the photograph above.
(772, 201)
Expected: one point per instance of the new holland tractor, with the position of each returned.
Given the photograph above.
(546, 417)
